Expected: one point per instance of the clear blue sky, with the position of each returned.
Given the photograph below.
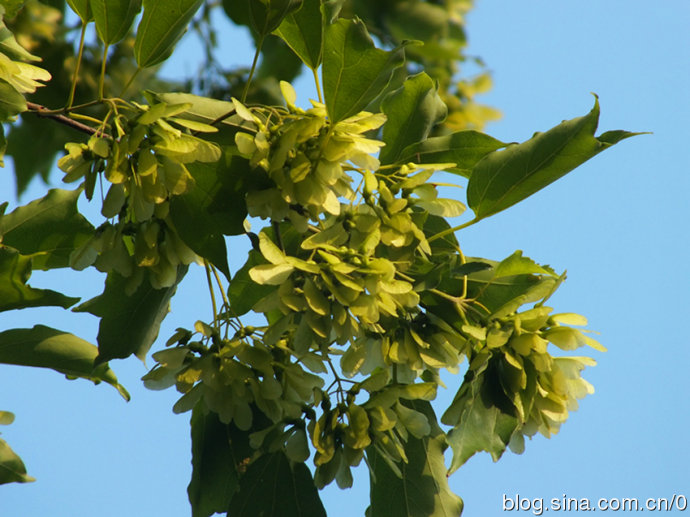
(618, 225)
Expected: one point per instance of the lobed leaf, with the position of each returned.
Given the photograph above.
(303, 32)
(504, 178)
(355, 72)
(412, 111)
(216, 204)
(463, 148)
(129, 322)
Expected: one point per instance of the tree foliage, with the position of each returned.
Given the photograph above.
(362, 292)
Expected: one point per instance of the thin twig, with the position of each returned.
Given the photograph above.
(44, 112)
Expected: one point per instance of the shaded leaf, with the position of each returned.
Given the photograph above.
(113, 18)
(45, 347)
(273, 486)
(218, 450)
(129, 323)
(464, 149)
(412, 110)
(303, 32)
(506, 177)
(243, 292)
(478, 420)
(216, 204)
(82, 8)
(423, 490)
(355, 72)
(267, 15)
(15, 270)
(48, 229)
(160, 28)
(12, 469)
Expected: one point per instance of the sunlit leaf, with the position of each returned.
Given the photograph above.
(464, 149)
(412, 111)
(160, 28)
(66, 353)
(516, 264)
(11, 101)
(355, 72)
(506, 177)
(129, 323)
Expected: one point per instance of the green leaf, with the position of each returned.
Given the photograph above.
(481, 425)
(129, 323)
(82, 8)
(303, 32)
(243, 291)
(355, 72)
(45, 347)
(160, 28)
(506, 177)
(267, 15)
(273, 486)
(12, 469)
(15, 270)
(218, 451)
(216, 204)
(11, 101)
(114, 18)
(463, 148)
(516, 264)
(8, 43)
(48, 229)
(423, 490)
(412, 112)
(442, 207)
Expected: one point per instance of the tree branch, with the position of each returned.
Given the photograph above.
(44, 112)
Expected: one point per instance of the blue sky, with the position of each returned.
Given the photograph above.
(618, 224)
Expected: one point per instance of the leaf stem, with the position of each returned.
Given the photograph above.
(101, 81)
(318, 85)
(453, 230)
(253, 68)
(75, 78)
(129, 83)
(207, 266)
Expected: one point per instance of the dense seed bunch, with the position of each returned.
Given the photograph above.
(145, 166)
